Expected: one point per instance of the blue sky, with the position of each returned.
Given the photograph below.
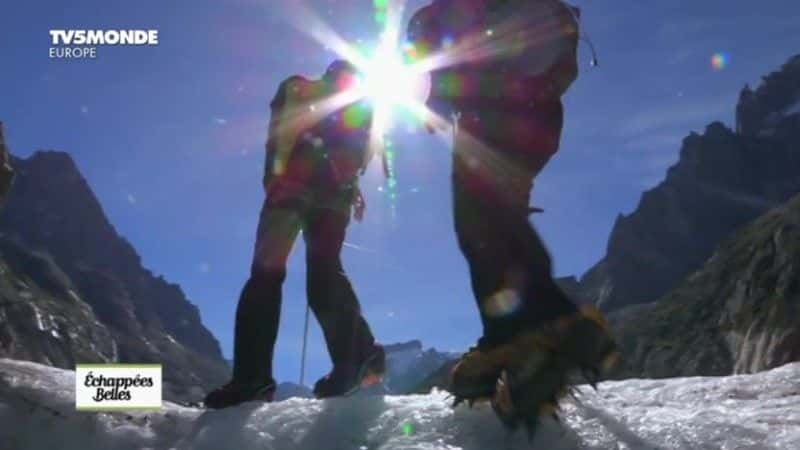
(170, 138)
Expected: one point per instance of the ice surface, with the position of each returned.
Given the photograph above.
(738, 412)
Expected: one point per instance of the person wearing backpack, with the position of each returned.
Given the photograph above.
(508, 62)
(313, 160)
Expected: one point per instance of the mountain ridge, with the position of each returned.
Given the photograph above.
(740, 313)
(724, 179)
(53, 220)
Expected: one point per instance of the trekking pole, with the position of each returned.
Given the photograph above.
(303, 352)
(455, 117)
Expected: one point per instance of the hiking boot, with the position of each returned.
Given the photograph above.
(579, 342)
(587, 344)
(533, 385)
(476, 374)
(347, 379)
(234, 393)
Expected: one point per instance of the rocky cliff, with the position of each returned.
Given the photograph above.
(739, 314)
(723, 180)
(6, 171)
(408, 365)
(73, 290)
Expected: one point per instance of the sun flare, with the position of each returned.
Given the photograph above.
(388, 81)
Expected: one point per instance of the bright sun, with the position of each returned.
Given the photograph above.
(391, 84)
(388, 81)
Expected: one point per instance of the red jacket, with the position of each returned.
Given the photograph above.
(307, 149)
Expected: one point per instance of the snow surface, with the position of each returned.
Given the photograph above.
(760, 411)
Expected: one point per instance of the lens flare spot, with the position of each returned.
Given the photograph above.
(355, 116)
(447, 42)
(408, 429)
(451, 85)
(502, 303)
(720, 61)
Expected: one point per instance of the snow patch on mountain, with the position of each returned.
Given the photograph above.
(793, 108)
(744, 412)
(408, 365)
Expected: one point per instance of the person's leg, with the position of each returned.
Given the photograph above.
(487, 185)
(330, 294)
(529, 271)
(258, 312)
(475, 233)
(493, 173)
(479, 229)
(509, 266)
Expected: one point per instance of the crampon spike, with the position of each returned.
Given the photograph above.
(531, 426)
(510, 423)
(503, 405)
(591, 375)
(573, 394)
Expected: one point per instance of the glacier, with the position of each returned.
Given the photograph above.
(759, 411)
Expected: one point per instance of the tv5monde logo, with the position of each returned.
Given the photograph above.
(83, 44)
(115, 387)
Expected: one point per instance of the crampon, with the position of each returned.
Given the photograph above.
(533, 386)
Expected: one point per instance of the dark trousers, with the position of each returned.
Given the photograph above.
(330, 295)
(510, 268)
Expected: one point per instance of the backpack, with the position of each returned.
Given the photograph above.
(296, 126)
(499, 43)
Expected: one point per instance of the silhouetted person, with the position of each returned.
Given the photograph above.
(313, 160)
(506, 65)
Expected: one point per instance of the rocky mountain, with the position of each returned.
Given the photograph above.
(724, 179)
(6, 171)
(73, 290)
(288, 390)
(408, 365)
(739, 314)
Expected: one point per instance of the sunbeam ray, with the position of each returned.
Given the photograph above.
(302, 116)
(383, 78)
(305, 20)
(513, 35)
